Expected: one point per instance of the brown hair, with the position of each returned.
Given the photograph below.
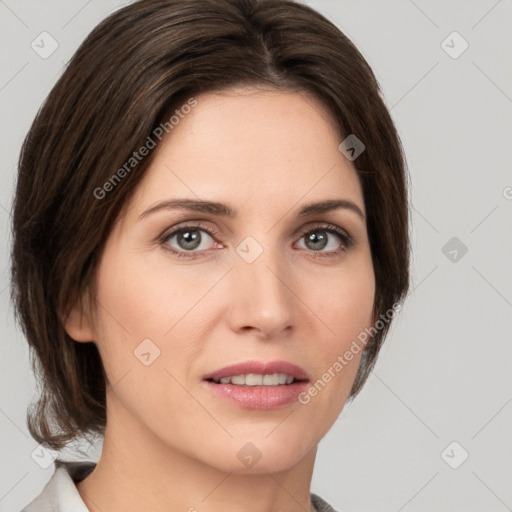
(128, 76)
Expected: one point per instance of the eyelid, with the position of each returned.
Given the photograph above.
(196, 224)
(347, 240)
(324, 225)
(190, 224)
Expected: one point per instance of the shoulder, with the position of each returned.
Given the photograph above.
(320, 505)
(60, 493)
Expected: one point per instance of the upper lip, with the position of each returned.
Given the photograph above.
(259, 368)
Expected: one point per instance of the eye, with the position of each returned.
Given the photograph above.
(323, 236)
(192, 241)
(188, 240)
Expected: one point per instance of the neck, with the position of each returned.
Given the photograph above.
(137, 471)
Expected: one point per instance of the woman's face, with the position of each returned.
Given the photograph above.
(263, 285)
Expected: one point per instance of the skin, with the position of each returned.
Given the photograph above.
(265, 153)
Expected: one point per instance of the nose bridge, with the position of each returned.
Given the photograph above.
(262, 299)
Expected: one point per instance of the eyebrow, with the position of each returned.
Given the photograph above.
(224, 210)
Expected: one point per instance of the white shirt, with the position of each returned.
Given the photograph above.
(61, 495)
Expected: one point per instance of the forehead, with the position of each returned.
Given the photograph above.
(251, 148)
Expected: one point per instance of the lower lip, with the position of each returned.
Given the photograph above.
(258, 397)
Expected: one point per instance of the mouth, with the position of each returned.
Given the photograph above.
(258, 385)
(255, 379)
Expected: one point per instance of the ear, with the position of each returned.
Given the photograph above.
(78, 322)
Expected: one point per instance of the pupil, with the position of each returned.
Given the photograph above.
(191, 239)
(314, 238)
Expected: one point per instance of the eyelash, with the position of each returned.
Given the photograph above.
(346, 239)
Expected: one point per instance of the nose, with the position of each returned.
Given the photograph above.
(262, 300)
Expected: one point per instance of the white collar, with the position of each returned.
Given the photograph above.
(60, 493)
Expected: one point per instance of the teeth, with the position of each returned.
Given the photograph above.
(271, 380)
(238, 379)
(254, 379)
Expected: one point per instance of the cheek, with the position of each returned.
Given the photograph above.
(344, 302)
(144, 297)
(344, 306)
(138, 304)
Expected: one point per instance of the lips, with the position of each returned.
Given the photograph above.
(259, 368)
(240, 384)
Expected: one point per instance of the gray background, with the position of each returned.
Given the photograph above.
(444, 374)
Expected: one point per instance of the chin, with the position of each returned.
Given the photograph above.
(263, 453)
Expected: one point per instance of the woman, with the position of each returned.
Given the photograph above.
(210, 243)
